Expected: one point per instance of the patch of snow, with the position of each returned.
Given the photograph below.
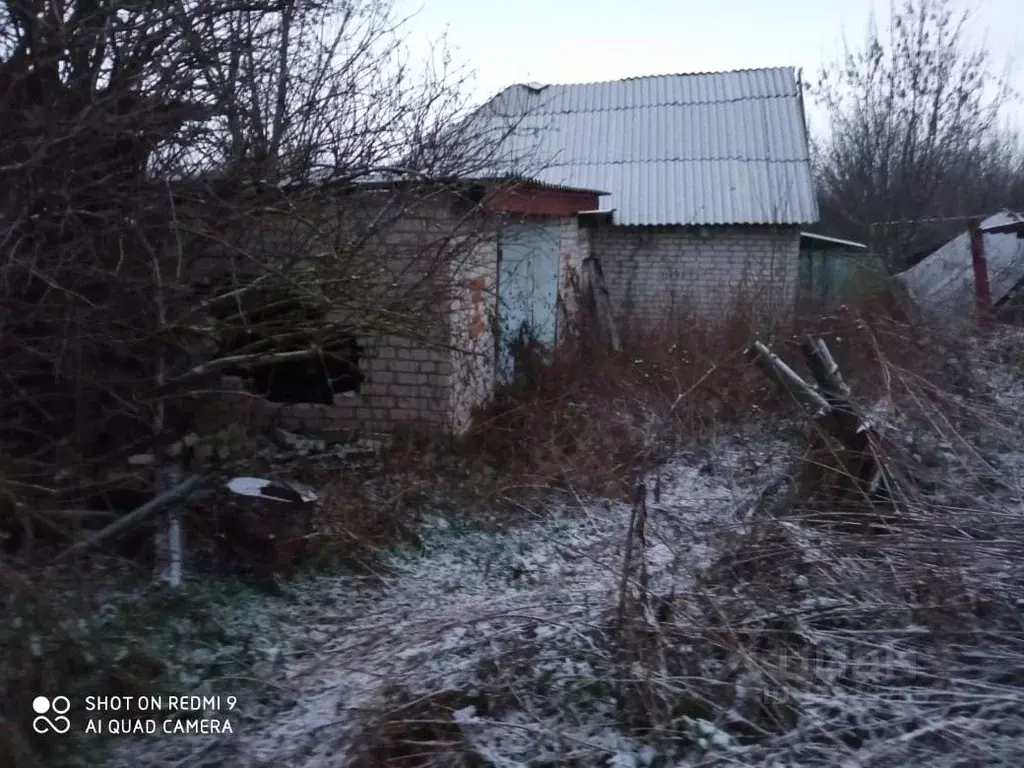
(536, 595)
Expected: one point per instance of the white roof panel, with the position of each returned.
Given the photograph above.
(717, 148)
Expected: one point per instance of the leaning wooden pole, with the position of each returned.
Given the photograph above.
(774, 368)
(599, 295)
(161, 501)
(829, 403)
(824, 368)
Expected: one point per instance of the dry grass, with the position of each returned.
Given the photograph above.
(416, 731)
(839, 631)
(829, 629)
(823, 629)
(594, 419)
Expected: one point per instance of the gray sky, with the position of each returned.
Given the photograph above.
(560, 41)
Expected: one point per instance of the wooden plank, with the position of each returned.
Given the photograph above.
(599, 294)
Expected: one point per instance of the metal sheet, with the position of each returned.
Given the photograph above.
(944, 281)
(717, 148)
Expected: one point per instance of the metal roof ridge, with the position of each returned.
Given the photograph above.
(541, 110)
(630, 161)
(703, 73)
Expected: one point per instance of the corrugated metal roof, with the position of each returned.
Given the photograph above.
(701, 149)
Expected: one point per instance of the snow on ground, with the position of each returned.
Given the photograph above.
(507, 633)
(471, 608)
(502, 639)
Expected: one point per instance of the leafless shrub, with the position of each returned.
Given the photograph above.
(206, 179)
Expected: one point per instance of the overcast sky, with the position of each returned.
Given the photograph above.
(566, 41)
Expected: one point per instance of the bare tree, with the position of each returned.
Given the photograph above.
(913, 132)
(171, 172)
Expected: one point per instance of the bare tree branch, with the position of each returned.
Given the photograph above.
(914, 133)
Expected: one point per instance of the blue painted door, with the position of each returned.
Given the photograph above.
(527, 291)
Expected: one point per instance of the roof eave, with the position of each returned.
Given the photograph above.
(695, 224)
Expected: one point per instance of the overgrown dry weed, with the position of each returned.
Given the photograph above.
(593, 419)
(759, 617)
(834, 632)
(798, 625)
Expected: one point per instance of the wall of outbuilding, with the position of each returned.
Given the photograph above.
(657, 275)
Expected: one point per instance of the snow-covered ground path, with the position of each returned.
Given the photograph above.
(471, 610)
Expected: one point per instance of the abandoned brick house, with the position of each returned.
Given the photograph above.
(689, 191)
(423, 285)
(708, 179)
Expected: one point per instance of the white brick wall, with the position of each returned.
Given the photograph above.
(657, 274)
(435, 389)
(406, 385)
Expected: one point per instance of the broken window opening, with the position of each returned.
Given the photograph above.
(315, 379)
(258, 325)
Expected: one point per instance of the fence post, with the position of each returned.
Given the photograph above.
(981, 287)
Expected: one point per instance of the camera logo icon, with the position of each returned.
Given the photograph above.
(58, 706)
